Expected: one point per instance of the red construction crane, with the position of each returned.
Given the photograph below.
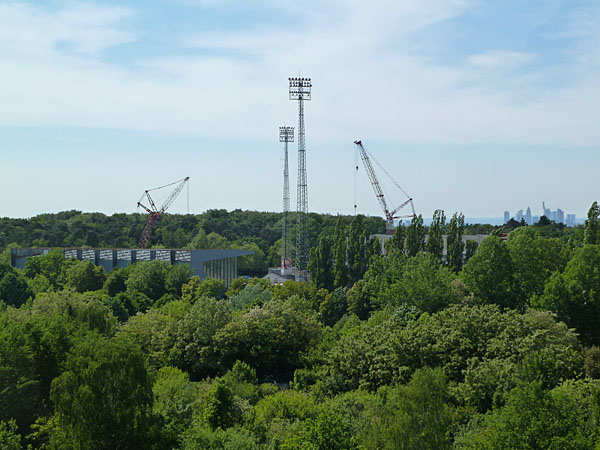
(156, 214)
(390, 216)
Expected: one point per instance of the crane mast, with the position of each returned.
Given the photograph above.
(390, 216)
(155, 214)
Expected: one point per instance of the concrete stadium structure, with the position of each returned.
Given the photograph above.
(220, 264)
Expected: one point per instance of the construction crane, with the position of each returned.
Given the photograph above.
(390, 215)
(156, 214)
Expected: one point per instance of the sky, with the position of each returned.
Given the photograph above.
(472, 106)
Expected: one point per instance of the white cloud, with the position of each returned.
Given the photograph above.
(32, 31)
(501, 60)
(366, 79)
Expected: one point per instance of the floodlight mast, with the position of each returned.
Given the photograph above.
(300, 89)
(286, 135)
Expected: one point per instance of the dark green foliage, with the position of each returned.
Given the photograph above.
(454, 242)
(18, 381)
(178, 275)
(148, 278)
(333, 307)
(356, 252)
(103, 397)
(218, 407)
(14, 289)
(196, 289)
(270, 338)
(415, 416)
(592, 225)
(196, 350)
(320, 264)
(175, 401)
(115, 282)
(470, 249)
(423, 283)
(396, 244)
(409, 357)
(84, 276)
(564, 418)
(435, 241)
(489, 274)
(415, 236)
(574, 294)
(9, 438)
(327, 431)
(340, 270)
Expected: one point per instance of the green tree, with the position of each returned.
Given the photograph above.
(218, 407)
(435, 241)
(470, 249)
(396, 244)
(415, 416)
(489, 274)
(115, 282)
(84, 276)
(327, 431)
(591, 234)
(103, 398)
(195, 349)
(356, 251)
(454, 242)
(424, 283)
(333, 307)
(14, 289)
(52, 266)
(197, 288)
(175, 400)
(9, 438)
(320, 264)
(340, 270)
(178, 275)
(574, 295)
(270, 338)
(149, 278)
(533, 418)
(415, 236)
(534, 259)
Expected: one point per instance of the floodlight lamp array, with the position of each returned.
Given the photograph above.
(300, 88)
(286, 134)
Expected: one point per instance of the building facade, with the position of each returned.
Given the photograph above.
(220, 264)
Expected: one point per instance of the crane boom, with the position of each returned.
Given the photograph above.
(390, 216)
(155, 214)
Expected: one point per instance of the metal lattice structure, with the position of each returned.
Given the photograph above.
(390, 216)
(300, 89)
(286, 135)
(156, 214)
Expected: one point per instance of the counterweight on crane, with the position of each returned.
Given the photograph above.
(156, 214)
(390, 216)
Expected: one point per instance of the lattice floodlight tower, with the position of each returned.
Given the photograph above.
(300, 90)
(390, 215)
(156, 214)
(286, 135)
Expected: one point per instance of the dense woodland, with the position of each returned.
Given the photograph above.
(413, 349)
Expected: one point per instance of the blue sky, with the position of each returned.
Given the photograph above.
(473, 106)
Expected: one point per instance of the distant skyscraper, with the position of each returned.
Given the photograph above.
(547, 212)
(506, 216)
(528, 216)
(571, 220)
(519, 215)
(560, 216)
